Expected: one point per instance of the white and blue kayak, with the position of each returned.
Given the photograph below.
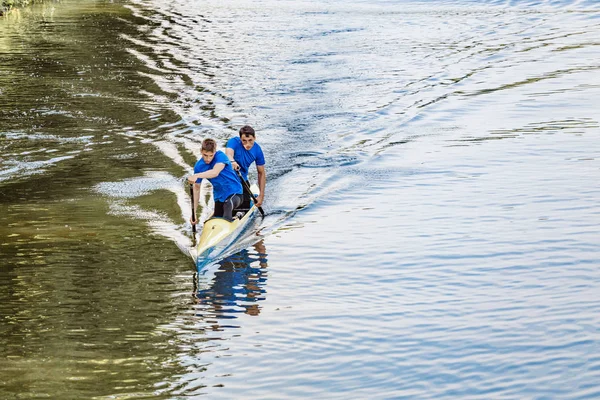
(219, 235)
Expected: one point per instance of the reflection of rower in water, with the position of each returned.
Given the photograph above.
(239, 282)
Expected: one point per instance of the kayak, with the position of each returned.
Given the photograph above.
(219, 235)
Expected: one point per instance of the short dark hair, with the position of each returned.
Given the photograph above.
(247, 130)
(209, 145)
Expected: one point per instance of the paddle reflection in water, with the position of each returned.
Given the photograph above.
(233, 285)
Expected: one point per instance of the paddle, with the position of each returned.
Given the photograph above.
(249, 191)
(193, 211)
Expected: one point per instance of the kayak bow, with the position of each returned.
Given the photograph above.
(218, 235)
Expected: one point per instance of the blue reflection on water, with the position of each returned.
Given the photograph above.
(233, 285)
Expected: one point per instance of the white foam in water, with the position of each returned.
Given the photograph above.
(130, 189)
(158, 223)
(170, 150)
(136, 187)
(21, 169)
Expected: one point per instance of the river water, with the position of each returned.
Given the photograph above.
(433, 200)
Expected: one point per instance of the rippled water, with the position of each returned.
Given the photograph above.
(433, 200)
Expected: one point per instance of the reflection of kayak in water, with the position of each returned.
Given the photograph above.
(235, 286)
(219, 235)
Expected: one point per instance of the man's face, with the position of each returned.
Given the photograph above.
(247, 141)
(207, 156)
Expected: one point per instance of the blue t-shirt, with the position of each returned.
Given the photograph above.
(244, 157)
(226, 183)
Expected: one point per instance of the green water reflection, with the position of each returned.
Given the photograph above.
(84, 292)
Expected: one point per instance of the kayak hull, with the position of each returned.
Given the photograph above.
(219, 235)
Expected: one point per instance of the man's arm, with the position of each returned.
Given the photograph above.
(231, 154)
(262, 183)
(211, 173)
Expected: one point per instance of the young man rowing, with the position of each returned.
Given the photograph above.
(242, 152)
(227, 188)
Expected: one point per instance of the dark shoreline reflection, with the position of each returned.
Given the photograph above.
(237, 286)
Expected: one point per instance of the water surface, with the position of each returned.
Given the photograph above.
(432, 227)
